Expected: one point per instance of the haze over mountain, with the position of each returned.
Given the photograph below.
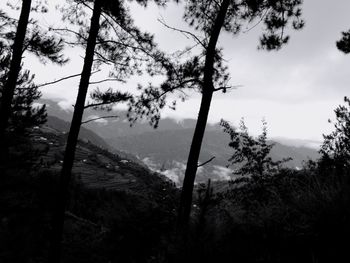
(166, 149)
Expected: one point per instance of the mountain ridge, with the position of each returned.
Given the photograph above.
(165, 149)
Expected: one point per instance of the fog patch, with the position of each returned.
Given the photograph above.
(175, 173)
(223, 173)
(65, 105)
(38, 105)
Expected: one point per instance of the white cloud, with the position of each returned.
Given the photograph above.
(222, 173)
(295, 89)
(66, 105)
(38, 105)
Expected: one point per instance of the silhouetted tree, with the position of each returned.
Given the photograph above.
(207, 73)
(24, 114)
(111, 39)
(27, 37)
(344, 43)
(336, 145)
(15, 66)
(251, 155)
(211, 17)
(55, 253)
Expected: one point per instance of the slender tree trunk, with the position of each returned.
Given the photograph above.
(207, 94)
(11, 82)
(62, 198)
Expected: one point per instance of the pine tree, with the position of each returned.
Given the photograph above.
(344, 43)
(55, 252)
(207, 73)
(110, 39)
(24, 115)
(27, 37)
(335, 149)
(10, 86)
(251, 156)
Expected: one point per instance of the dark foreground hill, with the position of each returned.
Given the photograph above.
(120, 211)
(62, 127)
(94, 166)
(116, 206)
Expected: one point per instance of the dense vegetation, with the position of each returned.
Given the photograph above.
(280, 216)
(101, 223)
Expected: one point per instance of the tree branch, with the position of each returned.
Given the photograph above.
(105, 80)
(64, 78)
(183, 32)
(259, 21)
(178, 86)
(105, 14)
(96, 104)
(202, 164)
(99, 118)
(70, 31)
(120, 43)
(224, 89)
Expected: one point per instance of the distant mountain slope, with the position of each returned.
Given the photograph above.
(169, 145)
(166, 148)
(111, 128)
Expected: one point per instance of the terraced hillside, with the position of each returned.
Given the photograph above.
(116, 205)
(96, 167)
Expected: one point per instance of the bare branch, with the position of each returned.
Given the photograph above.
(224, 89)
(105, 80)
(259, 21)
(188, 50)
(183, 32)
(106, 60)
(99, 118)
(202, 164)
(70, 31)
(64, 78)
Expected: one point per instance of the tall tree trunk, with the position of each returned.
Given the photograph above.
(62, 198)
(207, 94)
(11, 82)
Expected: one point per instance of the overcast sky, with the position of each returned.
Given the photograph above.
(295, 89)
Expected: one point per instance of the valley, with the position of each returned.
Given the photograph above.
(165, 149)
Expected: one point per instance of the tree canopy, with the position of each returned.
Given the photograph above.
(207, 71)
(344, 43)
(251, 156)
(24, 114)
(274, 18)
(336, 145)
